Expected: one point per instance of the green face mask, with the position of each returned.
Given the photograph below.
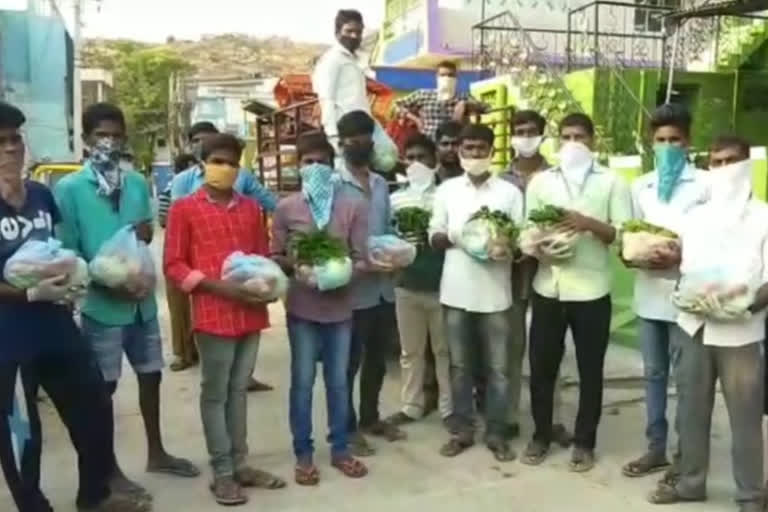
(670, 163)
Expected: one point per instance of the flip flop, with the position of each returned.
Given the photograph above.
(645, 465)
(668, 495)
(455, 446)
(176, 467)
(535, 453)
(350, 467)
(249, 477)
(502, 452)
(307, 476)
(582, 460)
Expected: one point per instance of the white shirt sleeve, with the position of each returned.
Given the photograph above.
(438, 223)
(324, 80)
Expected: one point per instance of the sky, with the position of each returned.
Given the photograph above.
(155, 20)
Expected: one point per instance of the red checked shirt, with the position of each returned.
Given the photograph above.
(199, 237)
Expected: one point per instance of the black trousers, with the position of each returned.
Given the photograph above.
(74, 384)
(372, 331)
(590, 324)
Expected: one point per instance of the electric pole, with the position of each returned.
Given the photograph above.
(77, 86)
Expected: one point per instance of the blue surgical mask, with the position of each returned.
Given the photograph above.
(670, 164)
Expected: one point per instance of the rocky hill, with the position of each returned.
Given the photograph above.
(222, 55)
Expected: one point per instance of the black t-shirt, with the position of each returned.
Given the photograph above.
(30, 330)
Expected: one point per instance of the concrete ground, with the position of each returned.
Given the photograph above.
(406, 475)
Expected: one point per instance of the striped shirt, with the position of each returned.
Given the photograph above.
(163, 204)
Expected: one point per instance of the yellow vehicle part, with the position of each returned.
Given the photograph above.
(49, 174)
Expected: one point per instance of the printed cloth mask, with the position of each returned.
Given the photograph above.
(318, 183)
(670, 164)
(104, 157)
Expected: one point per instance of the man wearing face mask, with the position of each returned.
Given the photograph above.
(417, 301)
(574, 293)
(96, 203)
(374, 315)
(204, 229)
(185, 184)
(429, 108)
(339, 78)
(447, 140)
(319, 322)
(476, 295)
(729, 232)
(665, 198)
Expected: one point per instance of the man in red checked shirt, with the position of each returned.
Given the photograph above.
(203, 230)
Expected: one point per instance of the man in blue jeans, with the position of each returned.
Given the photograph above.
(663, 197)
(319, 322)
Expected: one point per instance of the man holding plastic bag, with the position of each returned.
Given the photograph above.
(476, 287)
(572, 284)
(107, 220)
(662, 200)
(319, 303)
(41, 346)
(722, 296)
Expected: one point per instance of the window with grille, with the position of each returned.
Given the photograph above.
(648, 19)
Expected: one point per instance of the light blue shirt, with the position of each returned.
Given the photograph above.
(188, 182)
(373, 288)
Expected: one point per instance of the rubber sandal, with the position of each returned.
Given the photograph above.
(535, 453)
(561, 436)
(668, 495)
(646, 465)
(178, 365)
(502, 452)
(359, 447)
(351, 467)
(386, 430)
(582, 460)
(671, 477)
(455, 446)
(306, 475)
(249, 477)
(255, 386)
(228, 492)
(176, 467)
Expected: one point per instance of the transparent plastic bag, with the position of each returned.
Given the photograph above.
(481, 239)
(260, 275)
(124, 261)
(390, 251)
(385, 152)
(36, 260)
(548, 242)
(722, 293)
(329, 275)
(642, 246)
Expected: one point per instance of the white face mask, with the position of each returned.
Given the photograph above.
(576, 160)
(420, 177)
(476, 166)
(731, 186)
(446, 87)
(526, 147)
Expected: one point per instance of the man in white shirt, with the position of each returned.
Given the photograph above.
(339, 79)
(575, 292)
(664, 198)
(476, 294)
(728, 236)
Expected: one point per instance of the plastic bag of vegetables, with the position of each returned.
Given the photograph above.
(641, 241)
(543, 237)
(322, 261)
(390, 251)
(717, 292)
(385, 152)
(490, 235)
(412, 223)
(36, 260)
(259, 275)
(124, 261)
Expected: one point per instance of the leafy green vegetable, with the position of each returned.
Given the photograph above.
(412, 219)
(503, 223)
(317, 247)
(640, 226)
(548, 214)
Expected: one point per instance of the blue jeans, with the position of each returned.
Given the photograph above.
(659, 353)
(328, 343)
(468, 335)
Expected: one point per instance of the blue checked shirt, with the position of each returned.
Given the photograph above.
(188, 182)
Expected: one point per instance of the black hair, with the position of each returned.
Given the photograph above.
(99, 112)
(422, 141)
(313, 141)
(225, 141)
(354, 123)
(183, 162)
(672, 114)
(202, 127)
(477, 132)
(345, 16)
(580, 120)
(447, 64)
(529, 116)
(11, 116)
(722, 142)
(450, 129)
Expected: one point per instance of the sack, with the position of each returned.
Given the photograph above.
(259, 275)
(717, 293)
(548, 242)
(640, 247)
(36, 260)
(332, 274)
(390, 251)
(124, 261)
(385, 152)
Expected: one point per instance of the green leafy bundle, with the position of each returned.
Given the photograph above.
(548, 214)
(502, 223)
(317, 247)
(412, 219)
(640, 226)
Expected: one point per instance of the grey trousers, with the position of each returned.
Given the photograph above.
(740, 372)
